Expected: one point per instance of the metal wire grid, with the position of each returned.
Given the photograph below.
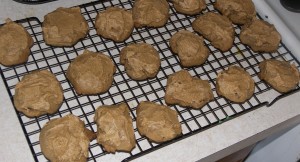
(126, 90)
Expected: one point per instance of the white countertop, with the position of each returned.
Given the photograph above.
(208, 145)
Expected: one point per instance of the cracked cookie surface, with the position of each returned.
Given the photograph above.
(157, 122)
(189, 7)
(114, 128)
(235, 84)
(189, 47)
(260, 36)
(64, 27)
(141, 61)
(66, 139)
(281, 75)
(115, 24)
(238, 11)
(216, 28)
(187, 91)
(38, 93)
(91, 73)
(15, 44)
(150, 13)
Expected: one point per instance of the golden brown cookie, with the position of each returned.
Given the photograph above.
(38, 93)
(91, 73)
(15, 44)
(115, 24)
(260, 36)
(66, 140)
(189, 7)
(185, 90)
(158, 123)
(150, 13)
(141, 61)
(189, 47)
(281, 75)
(114, 128)
(238, 11)
(64, 27)
(216, 28)
(235, 84)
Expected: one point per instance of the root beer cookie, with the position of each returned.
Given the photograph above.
(91, 73)
(15, 44)
(189, 7)
(38, 93)
(64, 27)
(235, 84)
(115, 131)
(157, 122)
(216, 28)
(66, 139)
(150, 13)
(281, 75)
(187, 91)
(141, 61)
(238, 11)
(189, 47)
(115, 24)
(260, 36)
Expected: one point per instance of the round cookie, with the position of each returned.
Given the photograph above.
(114, 128)
(158, 123)
(216, 28)
(260, 36)
(235, 84)
(64, 27)
(66, 139)
(189, 47)
(281, 75)
(115, 24)
(238, 11)
(187, 91)
(189, 7)
(150, 13)
(91, 73)
(38, 93)
(141, 61)
(15, 44)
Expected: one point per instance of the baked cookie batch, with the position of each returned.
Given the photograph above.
(91, 73)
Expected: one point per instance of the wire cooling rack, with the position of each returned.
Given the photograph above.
(132, 92)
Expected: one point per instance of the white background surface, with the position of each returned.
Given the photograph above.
(281, 147)
(285, 145)
(247, 128)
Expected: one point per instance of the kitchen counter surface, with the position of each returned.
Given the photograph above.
(208, 145)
